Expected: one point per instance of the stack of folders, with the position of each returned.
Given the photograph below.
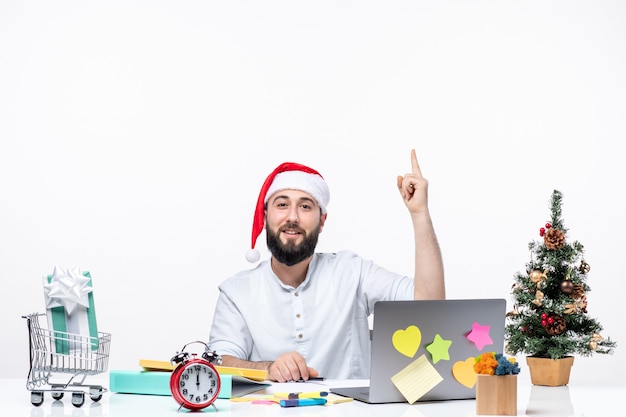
(154, 379)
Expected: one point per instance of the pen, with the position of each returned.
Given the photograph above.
(296, 395)
(312, 378)
(302, 402)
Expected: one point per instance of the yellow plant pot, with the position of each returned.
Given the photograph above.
(496, 395)
(550, 372)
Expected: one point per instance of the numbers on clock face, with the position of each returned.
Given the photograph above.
(198, 383)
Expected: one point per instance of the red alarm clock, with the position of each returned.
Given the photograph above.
(195, 383)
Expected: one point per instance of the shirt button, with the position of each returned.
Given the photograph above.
(297, 294)
(298, 315)
(300, 336)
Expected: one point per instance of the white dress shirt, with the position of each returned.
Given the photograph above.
(258, 318)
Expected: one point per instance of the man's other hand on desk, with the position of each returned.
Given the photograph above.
(290, 366)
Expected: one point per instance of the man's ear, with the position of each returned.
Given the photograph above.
(322, 221)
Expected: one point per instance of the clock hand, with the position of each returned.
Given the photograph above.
(198, 379)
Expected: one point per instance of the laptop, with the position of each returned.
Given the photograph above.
(429, 345)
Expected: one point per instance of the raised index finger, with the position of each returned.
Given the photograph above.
(414, 165)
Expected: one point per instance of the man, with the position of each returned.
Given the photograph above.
(303, 314)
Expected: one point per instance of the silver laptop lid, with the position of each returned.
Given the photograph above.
(461, 329)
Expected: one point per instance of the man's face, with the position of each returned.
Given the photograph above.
(293, 222)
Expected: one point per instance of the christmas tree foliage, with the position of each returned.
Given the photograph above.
(550, 317)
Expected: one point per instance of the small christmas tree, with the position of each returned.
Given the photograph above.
(550, 317)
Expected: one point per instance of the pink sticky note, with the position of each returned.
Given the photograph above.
(263, 401)
(480, 335)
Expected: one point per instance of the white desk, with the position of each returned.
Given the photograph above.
(589, 400)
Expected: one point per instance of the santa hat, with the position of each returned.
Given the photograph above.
(287, 176)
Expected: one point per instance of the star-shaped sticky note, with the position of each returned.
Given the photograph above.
(439, 349)
(480, 335)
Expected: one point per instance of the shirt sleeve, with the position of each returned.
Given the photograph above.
(229, 333)
(380, 284)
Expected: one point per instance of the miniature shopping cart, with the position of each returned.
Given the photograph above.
(53, 352)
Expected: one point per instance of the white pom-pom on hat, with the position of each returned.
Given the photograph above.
(253, 255)
(292, 176)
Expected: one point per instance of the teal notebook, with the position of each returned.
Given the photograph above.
(158, 383)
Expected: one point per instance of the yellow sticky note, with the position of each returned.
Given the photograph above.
(336, 399)
(407, 341)
(416, 379)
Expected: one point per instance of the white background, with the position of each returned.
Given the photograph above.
(135, 135)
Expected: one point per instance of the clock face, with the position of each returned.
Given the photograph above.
(195, 384)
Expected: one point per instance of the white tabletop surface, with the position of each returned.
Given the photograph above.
(576, 399)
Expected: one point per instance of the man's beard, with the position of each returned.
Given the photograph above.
(292, 253)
